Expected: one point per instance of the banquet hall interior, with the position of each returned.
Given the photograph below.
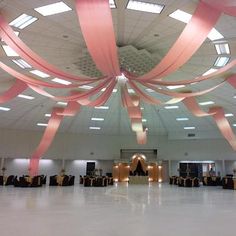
(117, 117)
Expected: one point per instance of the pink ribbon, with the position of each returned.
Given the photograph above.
(97, 28)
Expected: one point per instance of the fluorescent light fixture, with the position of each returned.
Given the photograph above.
(97, 119)
(86, 87)
(222, 48)
(92, 127)
(52, 9)
(112, 4)
(206, 103)
(39, 73)
(22, 21)
(16, 33)
(215, 35)
(229, 115)
(47, 115)
(234, 125)
(171, 107)
(61, 81)
(210, 71)
(144, 120)
(131, 90)
(234, 96)
(62, 103)
(182, 119)
(142, 108)
(144, 6)
(25, 97)
(4, 109)
(189, 127)
(221, 61)
(181, 16)
(104, 89)
(150, 90)
(9, 51)
(171, 87)
(102, 107)
(42, 124)
(22, 64)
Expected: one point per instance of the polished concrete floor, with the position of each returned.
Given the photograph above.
(155, 210)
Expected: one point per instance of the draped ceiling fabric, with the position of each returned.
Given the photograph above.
(96, 25)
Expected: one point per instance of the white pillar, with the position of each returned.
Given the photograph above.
(2, 162)
(223, 168)
(169, 166)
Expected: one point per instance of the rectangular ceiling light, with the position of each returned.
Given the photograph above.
(39, 73)
(150, 90)
(97, 119)
(130, 91)
(26, 97)
(104, 89)
(53, 9)
(144, 120)
(9, 51)
(16, 33)
(229, 115)
(142, 108)
(171, 107)
(215, 35)
(92, 127)
(221, 61)
(22, 64)
(61, 81)
(22, 21)
(181, 16)
(4, 109)
(210, 71)
(206, 103)
(112, 4)
(86, 87)
(182, 119)
(42, 124)
(47, 115)
(62, 103)
(189, 127)
(145, 6)
(102, 107)
(234, 125)
(222, 48)
(171, 87)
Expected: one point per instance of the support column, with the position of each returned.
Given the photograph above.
(223, 168)
(170, 167)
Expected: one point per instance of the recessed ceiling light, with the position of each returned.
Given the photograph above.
(229, 115)
(61, 81)
(47, 115)
(171, 107)
(112, 4)
(181, 16)
(92, 127)
(22, 64)
(182, 119)
(144, 120)
(52, 9)
(39, 73)
(26, 97)
(9, 51)
(222, 48)
(189, 127)
(97, 119)
(102, 107)
(171, 87)
(42, 124)
(221, 61)
(206, 103)
(5, 109)
(86, 87)
(144, 6)
(62, 103)
(210, 71)
(215, 35)
(22, 21)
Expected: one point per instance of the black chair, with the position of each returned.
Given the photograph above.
(81, 179)
(110, 181)
(71, 180)
(36, 181)
(23, 183)
(181, 182)
(1, 180)
(87, 182)
(196, 182)
(16, 182)
(10, 180)
(53, 181)
(99, 182)
(65, 181)
(188, 182)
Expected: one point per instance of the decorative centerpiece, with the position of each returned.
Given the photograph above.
(62, 172)
(3, 170)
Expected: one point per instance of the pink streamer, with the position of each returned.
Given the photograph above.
(97, 28)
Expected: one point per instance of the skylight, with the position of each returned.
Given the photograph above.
(234, 125)
(39, 73)
(26, 97)
(189, 127)
(206, 103)
(61, 81)
(86, 87)
(215, 35)
(144, 120)
(112, 4)
(144, 6)
(42, 124)
(96, 128)
(47, 115)
(229, 115)
(53, 9)
(5, 109)
(150, 90)
(102, 107)
(222, 48)
(97, 119)
(131, 90)
(171, 107)
(171, 87)
(23, 21)
(182, 119)
(221, 61)
(62, 103)
(210, 71)
(9, 51)
(104, 89)
(22, 64)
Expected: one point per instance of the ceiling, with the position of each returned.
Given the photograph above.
(143, 39)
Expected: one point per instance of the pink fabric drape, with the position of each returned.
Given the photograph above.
(17, 88)
(97, 27)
